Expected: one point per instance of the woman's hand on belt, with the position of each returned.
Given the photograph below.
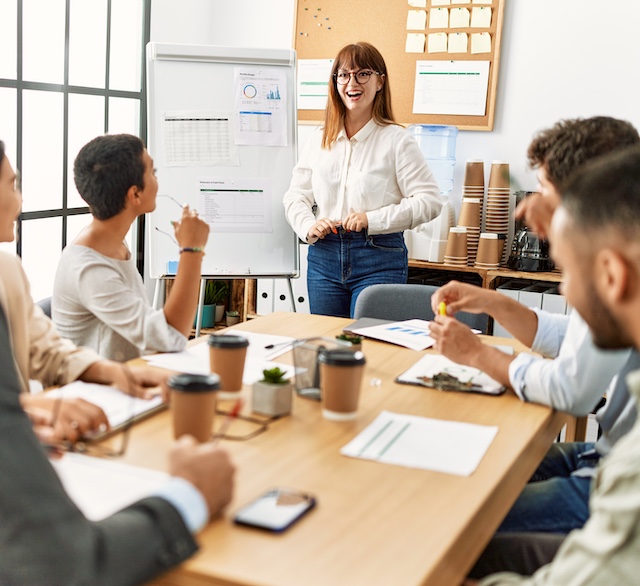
(321, 228)
(355, 222)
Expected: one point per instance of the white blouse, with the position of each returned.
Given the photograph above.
(380, 171)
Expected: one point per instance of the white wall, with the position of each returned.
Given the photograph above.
(559, 59)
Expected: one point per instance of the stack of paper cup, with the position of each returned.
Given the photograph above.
(498, 199)
(456, 252)
(490, 248)
(473, 185)
(470, 213)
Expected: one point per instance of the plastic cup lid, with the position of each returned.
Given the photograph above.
(341, 357)
(230, 341)
(194, 383)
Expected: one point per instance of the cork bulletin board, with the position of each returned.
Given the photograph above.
(323, 27)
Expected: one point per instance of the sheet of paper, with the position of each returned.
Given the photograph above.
(481, 17)
(411, 333)
(439, 18)
(195, 359)
(480, 43)
(418, 442)
(418, 3)
(451, 87)
(437, 43)
(440, 2)
(235, 204)
(261, 106)
(102, 487)
(432, 364)
(458, 43)
(313, 83)
(415, 43)
(193, 138)
(416, 20)
(117, 406)
(459, 18)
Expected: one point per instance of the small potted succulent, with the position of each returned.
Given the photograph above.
(353, 339)
(233, 317)
(273, 394)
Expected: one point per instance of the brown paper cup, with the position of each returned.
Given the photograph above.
(489, 249)
(499, 175)
(193, 404)
(474, 173)
(470, 212)
(227, 355)
(341, 373)
(457, 243)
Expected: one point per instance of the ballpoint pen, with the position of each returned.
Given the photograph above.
(228, 420)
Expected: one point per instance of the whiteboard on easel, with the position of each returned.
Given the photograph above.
(222, 132)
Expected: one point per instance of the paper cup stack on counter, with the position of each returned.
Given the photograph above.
(498, 201)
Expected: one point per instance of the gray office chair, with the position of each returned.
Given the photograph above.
(400, 302)
(45, 305)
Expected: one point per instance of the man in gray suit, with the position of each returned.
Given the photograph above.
(45, 539)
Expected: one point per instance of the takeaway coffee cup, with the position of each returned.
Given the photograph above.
(226, 358)
(474, 173)
(193, 404)
(489, 249)
(340, 380)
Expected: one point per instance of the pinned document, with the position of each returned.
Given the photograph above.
(480, 17)
(437, 43)
(480, 43)
(458, 43)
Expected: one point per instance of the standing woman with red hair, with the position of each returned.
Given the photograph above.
(360, 182)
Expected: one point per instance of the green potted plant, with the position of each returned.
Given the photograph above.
(233, 317)
(215, 294)
(353, 339)
(272, 395)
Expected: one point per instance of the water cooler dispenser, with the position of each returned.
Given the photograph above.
(438, 145)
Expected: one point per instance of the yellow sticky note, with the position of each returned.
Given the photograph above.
(459, 18)
(458, 43)
(418, 3)
(481, 17)
(416, 20)
(439, 18)
(415, 43)
(440, 2)
(480, 43)
(437, 43)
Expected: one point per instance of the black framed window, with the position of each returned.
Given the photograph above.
(70, 70)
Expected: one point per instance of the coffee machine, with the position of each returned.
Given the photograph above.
(529, 252)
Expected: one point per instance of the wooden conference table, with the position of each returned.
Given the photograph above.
(375, 524)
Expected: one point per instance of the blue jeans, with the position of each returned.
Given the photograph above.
(341, 265)
(554, 501)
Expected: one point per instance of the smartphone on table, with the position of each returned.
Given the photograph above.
(276, 510)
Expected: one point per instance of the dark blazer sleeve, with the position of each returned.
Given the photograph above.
(46, 540)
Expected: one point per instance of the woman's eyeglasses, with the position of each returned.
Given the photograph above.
(362, 76)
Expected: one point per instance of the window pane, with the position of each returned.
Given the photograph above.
(86, 121)
(8, 39)
(43, 40)
(41, 250)
(126, 45)
(124, 116)
(8, 122)
(42, 150)
(87, 42)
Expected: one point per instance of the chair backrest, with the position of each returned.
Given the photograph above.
(400, 302)
(45, 305)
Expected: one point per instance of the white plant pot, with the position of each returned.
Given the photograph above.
(271, 399)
